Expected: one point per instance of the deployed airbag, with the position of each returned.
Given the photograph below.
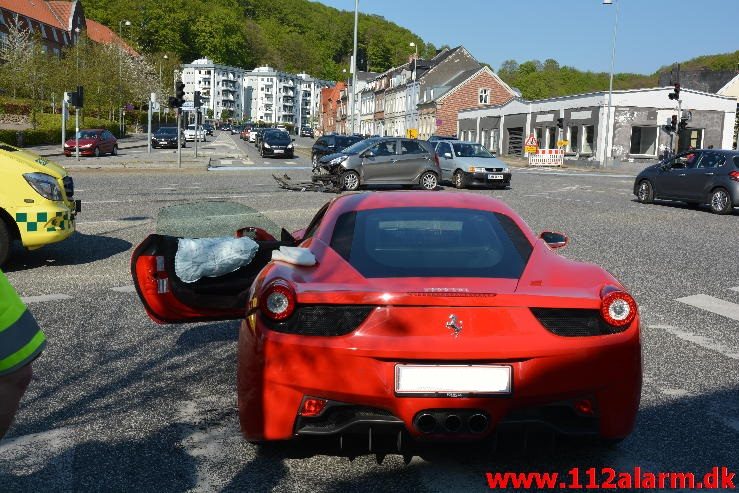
(294, 255)
(212, 257)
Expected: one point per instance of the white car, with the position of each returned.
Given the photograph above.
(253, 135)
(190, 133)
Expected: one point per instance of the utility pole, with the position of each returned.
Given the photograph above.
(151, 100)
(64, 119)
(178, 112)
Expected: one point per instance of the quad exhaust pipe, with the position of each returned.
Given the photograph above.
(448, 422)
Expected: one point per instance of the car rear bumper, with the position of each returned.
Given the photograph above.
(733, 189)
(277, 371)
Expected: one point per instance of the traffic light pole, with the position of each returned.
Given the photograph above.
(64, 120)
(148, 147)
(197, 133)
(179, 144)
(77, 132)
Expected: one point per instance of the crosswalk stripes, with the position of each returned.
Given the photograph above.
(713, 305)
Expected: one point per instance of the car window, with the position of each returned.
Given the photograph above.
(411, 147)
(471, 150)
(384, 148)
(736, 162)
(444, 148)
(431, 242)
(711, 160)
(685, 160)
(321, 142)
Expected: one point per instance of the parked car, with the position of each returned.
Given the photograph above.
(253, 134)
(468, 164)
(330, 144)
(277, 144)
(306, 132)
(403, 320)
(208, 128)
(244, 135)
(94, 142)
(260, 135)
(167, 137)
(437, 138)
(383, 161)
(699, 176)
(236, 129)
(191, 134)
(226, 127)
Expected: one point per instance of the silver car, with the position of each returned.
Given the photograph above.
(467, 164)
(382, 161)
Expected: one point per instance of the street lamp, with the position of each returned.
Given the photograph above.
(609, 148)
(415, 59)
(348, 96)
(120, 73)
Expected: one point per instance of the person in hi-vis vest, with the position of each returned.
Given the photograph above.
(21, 341)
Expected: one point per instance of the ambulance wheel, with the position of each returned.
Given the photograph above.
(5, 242)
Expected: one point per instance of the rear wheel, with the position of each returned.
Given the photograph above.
(720, 201)
(459, 181)
(350, 181)
(428, 180)
(645, 192)
(5, 242)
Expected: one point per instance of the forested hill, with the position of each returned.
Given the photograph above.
(293, 35)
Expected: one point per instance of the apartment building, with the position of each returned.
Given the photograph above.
(220, 86)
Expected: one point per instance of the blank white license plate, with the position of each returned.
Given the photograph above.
(279, 151)
(457, 379)
(495, 177)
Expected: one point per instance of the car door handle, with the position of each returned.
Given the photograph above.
(709, 174)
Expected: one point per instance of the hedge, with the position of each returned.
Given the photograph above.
(51, 136)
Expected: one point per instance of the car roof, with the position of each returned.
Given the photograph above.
(418, 198)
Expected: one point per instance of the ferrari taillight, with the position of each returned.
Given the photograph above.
(617, 308)
(278, 300)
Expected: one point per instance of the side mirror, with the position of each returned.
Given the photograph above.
(368, 154)
(256, 234)
(448, 155)
(554, 240)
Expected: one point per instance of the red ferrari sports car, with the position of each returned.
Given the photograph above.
(422, 318)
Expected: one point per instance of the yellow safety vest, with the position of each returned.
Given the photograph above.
(21, 339)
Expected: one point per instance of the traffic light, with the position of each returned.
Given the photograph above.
(673, 123)
(77, 98)
(683, 124)
(560, 123)
(675, 95)
(179, 93)
(197, 101)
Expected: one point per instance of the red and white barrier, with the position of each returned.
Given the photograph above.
(547, 157)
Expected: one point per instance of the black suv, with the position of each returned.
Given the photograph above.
(306, 132)
(331, 144)
(276, 143)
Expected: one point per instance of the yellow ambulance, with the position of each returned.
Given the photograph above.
(36, 201)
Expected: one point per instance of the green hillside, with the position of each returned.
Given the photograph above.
(720, 62)
(293, 35)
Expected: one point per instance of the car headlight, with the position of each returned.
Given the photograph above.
(45, 185)
(266, 145)
(337, 160)
(473, 169)
(289, 146)
(506, 170)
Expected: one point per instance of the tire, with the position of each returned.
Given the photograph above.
(720, 201)
(115, 150)
(350, 181)
(5, 242)
(314, 160)
(645, 192)
(96, 152)
(429, 180)
(459, 180)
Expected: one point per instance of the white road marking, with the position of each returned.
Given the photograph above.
(699, 340)
(257, 168)
(563, 173)
(45, 298)
(714, 305)
(124, 289)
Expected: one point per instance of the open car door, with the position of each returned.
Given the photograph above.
(169, 299)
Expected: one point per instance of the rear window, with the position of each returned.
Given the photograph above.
(431, 242)
(344, 142)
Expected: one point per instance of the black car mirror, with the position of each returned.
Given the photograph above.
(554, 240)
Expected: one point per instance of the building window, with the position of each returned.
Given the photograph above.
(551, 137)
(573, 136)
(538, 137)
(484, 96)
(644, 141)
(588, 139)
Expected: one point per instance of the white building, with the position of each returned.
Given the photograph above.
(279, 97)
(220, 86)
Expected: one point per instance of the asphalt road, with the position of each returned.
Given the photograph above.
(119, 403)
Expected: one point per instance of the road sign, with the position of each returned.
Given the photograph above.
(531, 145)
(188, 106)
(154, 106)
(562, 143)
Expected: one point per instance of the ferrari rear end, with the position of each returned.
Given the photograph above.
(370, 356)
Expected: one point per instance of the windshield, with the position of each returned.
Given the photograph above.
(87, 134)
(277, 137)
(470, 150)
(361, 145)
(167, 131)
(211, 220)
(431, 242)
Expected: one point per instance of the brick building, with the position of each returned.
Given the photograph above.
(330, 106)
(439, 106)
(56, 23)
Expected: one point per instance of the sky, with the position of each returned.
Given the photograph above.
(578, 33)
